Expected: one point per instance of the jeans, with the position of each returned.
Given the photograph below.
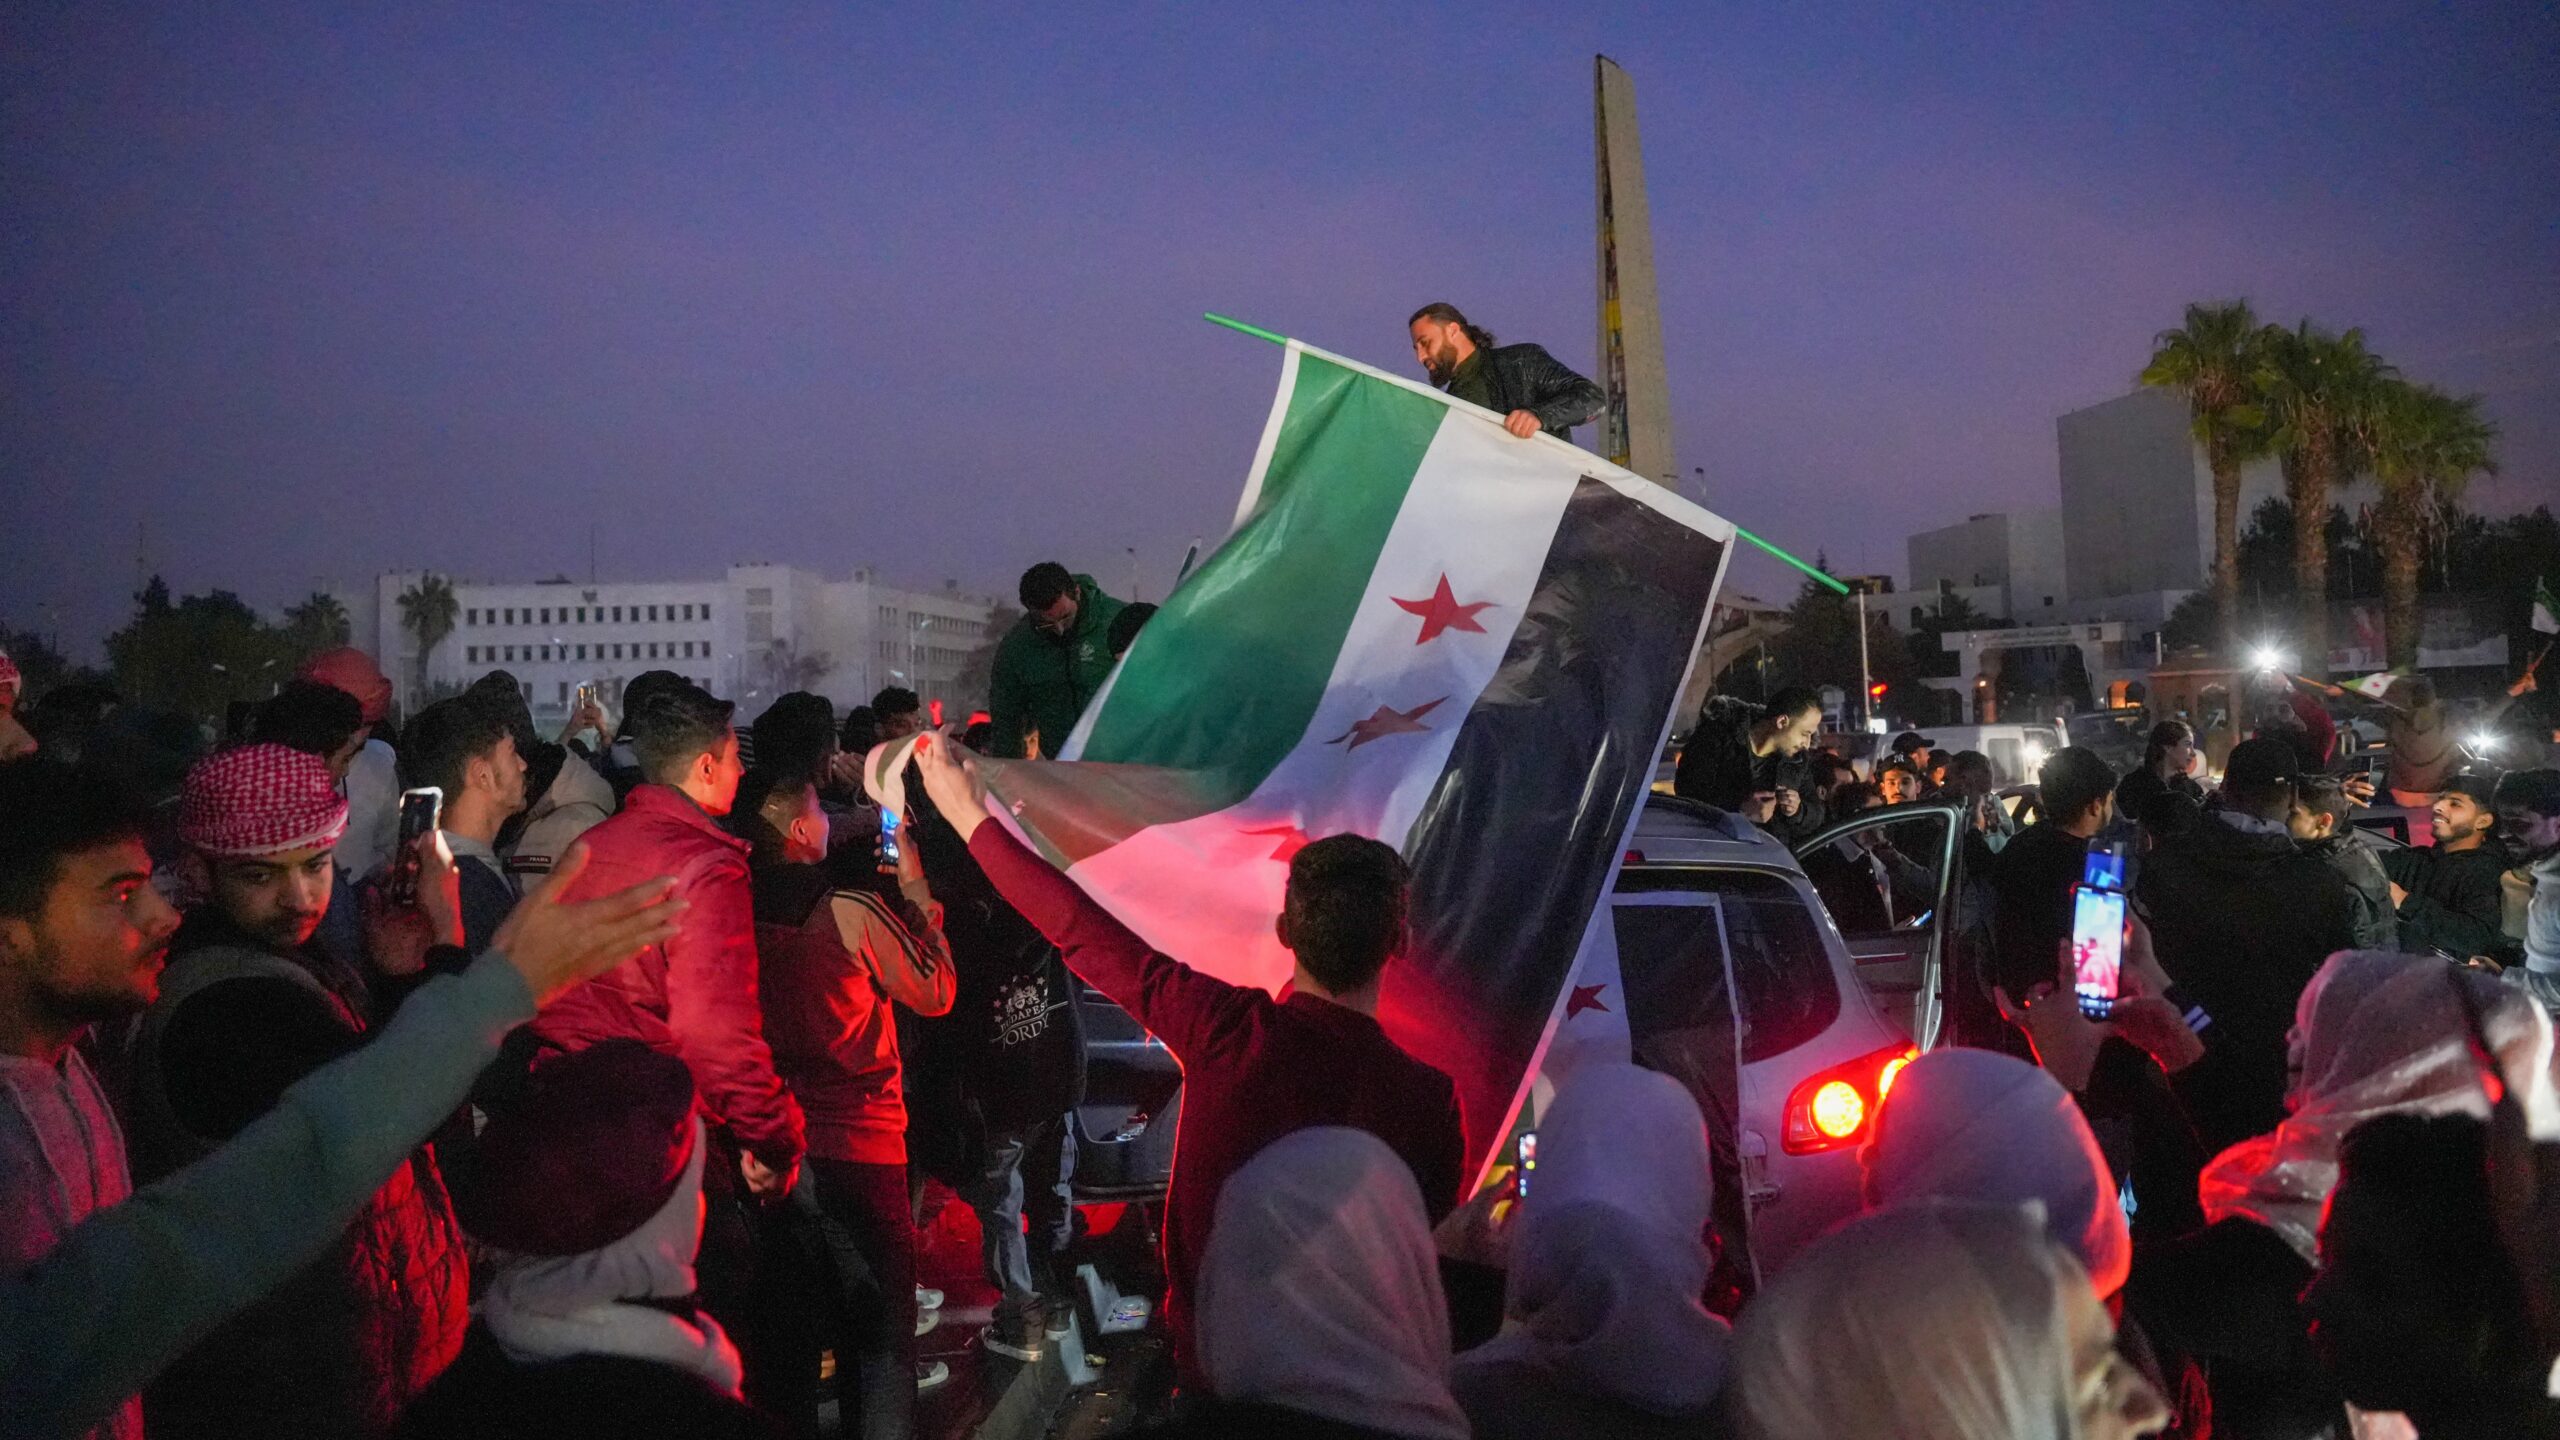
(870, 1237)
(1026, 1171)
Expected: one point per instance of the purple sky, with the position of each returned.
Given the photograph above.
(917, 287)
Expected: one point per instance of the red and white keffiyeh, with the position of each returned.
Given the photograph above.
(260, 800)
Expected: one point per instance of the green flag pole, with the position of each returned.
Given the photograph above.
(1259, 333)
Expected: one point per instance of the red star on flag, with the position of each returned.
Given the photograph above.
(1442, 612)
(1584, 997)
(1385, 721)
(1292, 840)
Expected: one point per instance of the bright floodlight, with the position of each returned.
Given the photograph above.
(2268, 657)
(2482, 743)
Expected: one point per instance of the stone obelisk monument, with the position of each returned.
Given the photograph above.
(1635, 427)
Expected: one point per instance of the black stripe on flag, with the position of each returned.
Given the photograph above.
(1519, 833)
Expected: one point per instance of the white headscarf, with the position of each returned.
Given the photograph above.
(2375, 1033)
(1320, 1291)
(1926, 1322)
(1978, 1127)
(550, 1307)
(1611, 1255)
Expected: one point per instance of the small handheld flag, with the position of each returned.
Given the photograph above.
(2546, 610)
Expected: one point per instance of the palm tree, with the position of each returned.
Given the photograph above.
(427, 611)
(2318, 390)
(2426, 445)
(319, 622)
(2215, 359)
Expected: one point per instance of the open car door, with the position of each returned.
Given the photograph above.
(1888, 879)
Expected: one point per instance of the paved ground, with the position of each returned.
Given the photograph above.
(991, 1397)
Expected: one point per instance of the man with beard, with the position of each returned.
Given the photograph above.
(2447, 893)
(82, 940)
(1530, 389)
(247, 1007)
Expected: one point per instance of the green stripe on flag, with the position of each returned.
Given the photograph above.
(1227, 676)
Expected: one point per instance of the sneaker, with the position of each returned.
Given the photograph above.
(926, 1320)
(930, 1373)
(928, 1298)
(1021, 1338)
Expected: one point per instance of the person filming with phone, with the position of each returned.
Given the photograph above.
(460, 768)
(249, 1005)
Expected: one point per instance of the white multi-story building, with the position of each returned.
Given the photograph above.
(750, 635)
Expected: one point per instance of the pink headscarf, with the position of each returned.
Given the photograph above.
(349, 669)
(259, 800)
(2372, 1034)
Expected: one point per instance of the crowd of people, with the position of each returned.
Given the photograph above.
(605, 1103)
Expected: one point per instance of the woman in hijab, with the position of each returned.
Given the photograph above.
(1603, 1333)
(1320, 1309)
(588, 1195)
(2374, 1034)
(1977, 1127)
(1936, 1322)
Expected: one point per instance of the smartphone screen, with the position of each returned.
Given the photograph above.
(420, 812)
(1528, 1165)
(888, 836)
(2097, 949)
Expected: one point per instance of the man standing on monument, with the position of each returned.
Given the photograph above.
(1530, 389)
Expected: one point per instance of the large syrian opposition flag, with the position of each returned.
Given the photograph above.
(1421, 629)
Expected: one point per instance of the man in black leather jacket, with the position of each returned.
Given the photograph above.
(1524, 384)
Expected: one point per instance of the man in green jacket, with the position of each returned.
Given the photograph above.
(1052, 662)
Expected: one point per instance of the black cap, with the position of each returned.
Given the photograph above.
(2262, 762)
(1910, 740)
(2472, 783)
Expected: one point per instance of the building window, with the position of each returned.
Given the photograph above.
(582, 652)
(617, 652)
(564, 692)
(653, 649)
(653, 614)
(471, 617)
(617, 614)
(706, 614)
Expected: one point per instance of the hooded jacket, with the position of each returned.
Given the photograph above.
(2242, 917)
(1042, 682)
(1718, 768)
(693, 997)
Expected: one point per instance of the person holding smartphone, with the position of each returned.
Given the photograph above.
(248, 1006)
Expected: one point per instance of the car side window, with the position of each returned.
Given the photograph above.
(1671, 959)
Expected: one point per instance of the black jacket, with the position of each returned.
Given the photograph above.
(1526, 377)
(2454, 899)
(1717, 767)
(2224, 1297)
(2377, 922)
(2241, 920)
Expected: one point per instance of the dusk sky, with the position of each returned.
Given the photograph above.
(314, 294)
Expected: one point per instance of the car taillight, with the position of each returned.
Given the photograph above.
(1837, 1107)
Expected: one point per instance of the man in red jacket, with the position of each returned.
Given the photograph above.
(1254, 1069)
(693, 997)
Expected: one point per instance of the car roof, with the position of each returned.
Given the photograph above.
(1677, 830)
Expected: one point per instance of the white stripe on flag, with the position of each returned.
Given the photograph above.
(1482, 511)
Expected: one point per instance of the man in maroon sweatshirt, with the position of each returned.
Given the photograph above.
(1254, 1068)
